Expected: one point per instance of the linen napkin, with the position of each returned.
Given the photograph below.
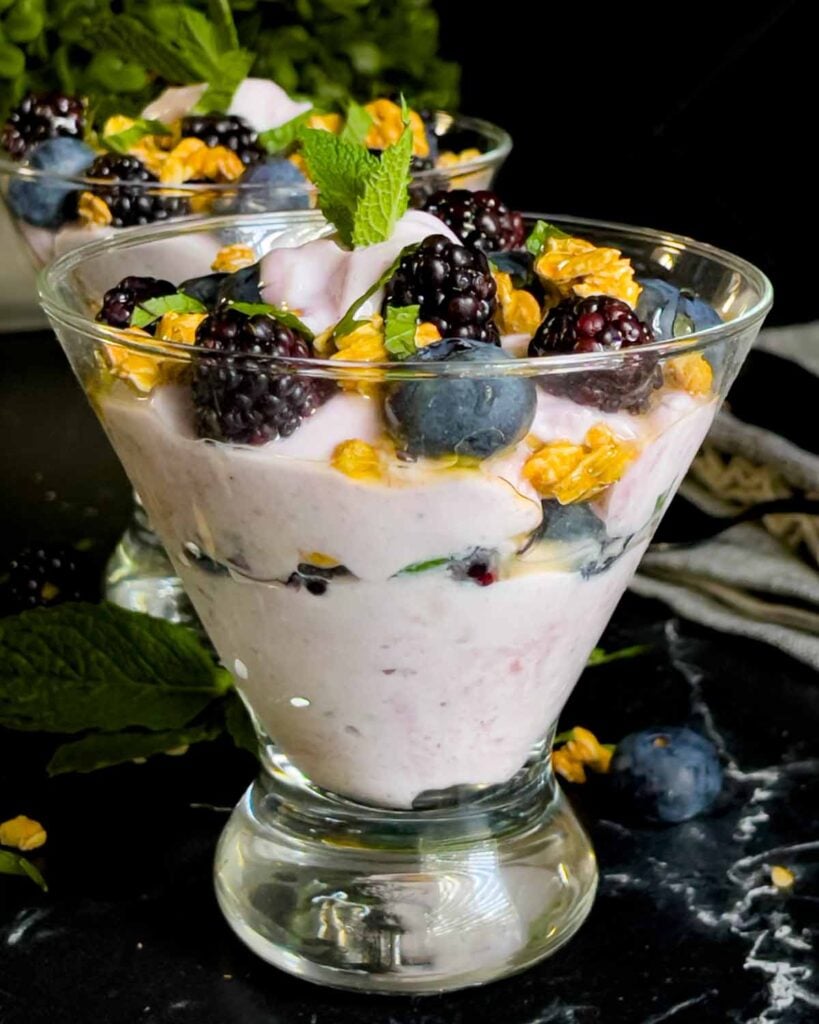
(757, 580)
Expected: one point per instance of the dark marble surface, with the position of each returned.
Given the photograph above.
(686, 928)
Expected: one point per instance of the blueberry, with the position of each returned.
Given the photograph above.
(240, 286)
(672, 312)
(667, 775)
(276, 184)
(42, 201)
(574, 522)
(205, 288)
(465, 416)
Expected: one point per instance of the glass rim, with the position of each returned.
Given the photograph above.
(500, 146)
(323, 367)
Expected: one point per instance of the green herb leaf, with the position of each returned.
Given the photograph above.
(348, 323)
(102, 750)
(153, 309)
(283, 315)
(386, 194)
(399, 330)
(81, 666)
(600, 657)
(279, 140)
(221, 15)
(123, 142)
(14, 864)
(340, 170)
(540, 234)
(357, 124)
(239, 726)
(233, 69)
(433, 563)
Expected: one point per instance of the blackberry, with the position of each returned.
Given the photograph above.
(123, 187)
(118, 302)
(480, 219)
(42, 577)
(39, 117)
(234, 133)
(243, 399)
(599, 323)
(453, 286)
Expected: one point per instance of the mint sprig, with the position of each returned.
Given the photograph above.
(357, 124)
(399, 331)
(282, 315)
(540, 234)
(150, 310)
(385, 197)
(124, 141)
(279, 140)
(348, 323)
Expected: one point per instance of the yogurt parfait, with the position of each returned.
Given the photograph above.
(405, 462)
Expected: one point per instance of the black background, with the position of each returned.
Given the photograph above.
(698, 118)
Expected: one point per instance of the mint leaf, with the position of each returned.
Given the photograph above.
(123, 142)
(433, 563)
(600, 657)
(233, 69)
(385, 197)
(221, 15)
(102, 750)
(539, 235)
(278, 140)
(81, 666)
(239, 726)
(15, 864)
(357, 124)
(340, 170)
(399, 330)
(283, 315)
(348, 323)
(153, 309)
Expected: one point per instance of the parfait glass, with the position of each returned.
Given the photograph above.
(405, 631)
(139, 576)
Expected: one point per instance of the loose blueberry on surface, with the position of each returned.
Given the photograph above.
(672, 312)
(241, 286)
(276, 184)
(666, 775)
(205, 288)
(465, 416)
(43, 202)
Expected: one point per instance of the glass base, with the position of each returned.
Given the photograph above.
(139, 575)
(405, 902)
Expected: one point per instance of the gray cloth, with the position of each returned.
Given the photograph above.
(752, 580)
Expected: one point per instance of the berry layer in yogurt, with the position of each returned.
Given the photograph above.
(402, 547)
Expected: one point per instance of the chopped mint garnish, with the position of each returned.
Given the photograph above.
(540, 234)
(600, 657)
(15, 864)
(386, 194)
(80, 666)
(283, 315)
(279, 140)
(340, 170)
(399, 330)
(103, 750)
(153, 309)
(348, 323)
(433, 563)
(123, 142)
(357, 124)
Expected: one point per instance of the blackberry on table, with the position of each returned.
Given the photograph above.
(46, 576)
(247, 400)
(118, 302)
(41, 116)
(599, 323)
(125, 187)
(480, 219)
(453, 286)
(234, 133)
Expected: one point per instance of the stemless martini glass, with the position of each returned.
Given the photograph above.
(139, 575)
(404, 636)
